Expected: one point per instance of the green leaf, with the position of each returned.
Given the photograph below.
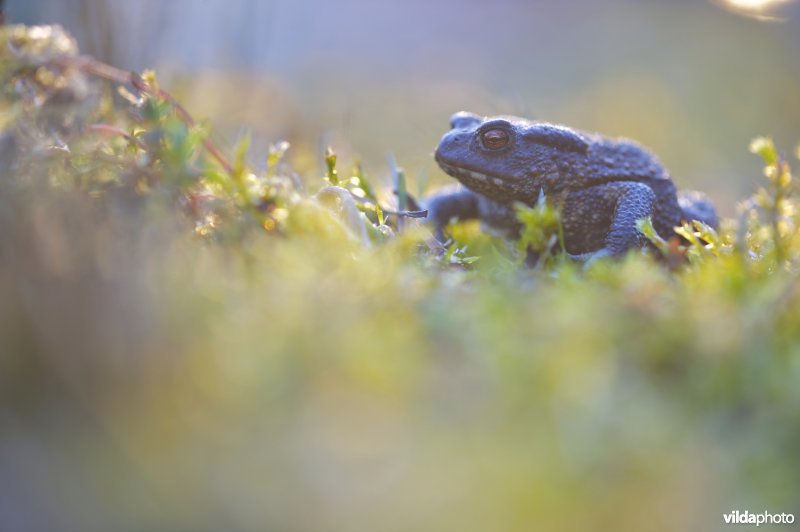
(332, 176)
(645, 225)
(765, 148)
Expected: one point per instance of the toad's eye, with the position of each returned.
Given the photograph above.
(494, 139)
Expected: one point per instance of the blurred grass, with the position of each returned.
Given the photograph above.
(186, 348)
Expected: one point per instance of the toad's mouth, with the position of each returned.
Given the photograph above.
(461, 172)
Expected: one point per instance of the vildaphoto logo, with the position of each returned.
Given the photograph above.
(764, 518)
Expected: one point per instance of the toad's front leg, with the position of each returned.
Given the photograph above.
(447, 205)
(602, 220)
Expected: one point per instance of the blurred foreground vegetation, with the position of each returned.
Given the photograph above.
(187, 343)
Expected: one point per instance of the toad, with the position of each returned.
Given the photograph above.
(603, 185)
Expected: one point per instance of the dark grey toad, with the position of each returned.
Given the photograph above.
(604, 186)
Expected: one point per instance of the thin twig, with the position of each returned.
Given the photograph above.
(114, 130)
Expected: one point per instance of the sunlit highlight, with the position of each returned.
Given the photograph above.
(760, 9)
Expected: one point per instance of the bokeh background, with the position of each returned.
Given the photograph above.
(153, 381)
(694, 80)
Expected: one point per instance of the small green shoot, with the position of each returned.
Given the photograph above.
(542, 232)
